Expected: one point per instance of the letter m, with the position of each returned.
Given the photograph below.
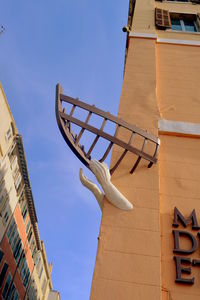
(185, 221)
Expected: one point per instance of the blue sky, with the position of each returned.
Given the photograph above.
(81, 45)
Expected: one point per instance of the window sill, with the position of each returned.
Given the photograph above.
(183, 32)
(178, 2)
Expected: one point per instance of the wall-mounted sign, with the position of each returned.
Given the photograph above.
(182, 260)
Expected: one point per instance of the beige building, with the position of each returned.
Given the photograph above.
(54, 295)
(152, 252)
(24, 269)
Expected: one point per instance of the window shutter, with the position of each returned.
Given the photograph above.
(162, 18)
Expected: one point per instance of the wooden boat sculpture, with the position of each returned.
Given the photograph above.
(66, 119)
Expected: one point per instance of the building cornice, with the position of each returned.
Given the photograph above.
(187, 129)
(178, 42)
(28, 190)
(154, 36)
(142, 35)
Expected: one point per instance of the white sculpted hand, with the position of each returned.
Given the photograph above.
(102, 174)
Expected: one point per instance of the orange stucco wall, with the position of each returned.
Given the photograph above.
(128, 258)
(179, 164)
(178, 68)
(178, 98)
(22, 231)
(135, 251)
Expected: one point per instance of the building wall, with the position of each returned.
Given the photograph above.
(42, 274)
(22, 254)
(7, 188)
(179, 187)
(135, 257)
(53, 295)
(178, 68)
(6, 119)
(12, 270)
(129, 241)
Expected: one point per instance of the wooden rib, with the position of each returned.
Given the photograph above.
(108, 137)
(108, 116)
(122, 156)
(107, 151)
(96, 139)
(117, 130)
(92, 146)
(103, 124)
(154, 156)
(139, 158)
(66, 131)
(110, 145)
(83, 129)
(72, 110)
(118, 162)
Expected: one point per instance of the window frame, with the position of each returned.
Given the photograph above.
(180, 18)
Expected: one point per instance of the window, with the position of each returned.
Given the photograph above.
(9, 133)
(3, 201)
(6, 217)
(38, 264)
(41, 271)
(17, 251)
(6, 286)
(15, 171)
(34, 251)
(18, 181)
(11, 227)
(3, 273)
(11, 151)
(1, 152)
(184, 22)
(9, 291)
(26, 279)
(21, 198)
(177, 21)
(44, 284)
(24, 211)
(24, 271)
(30, 235)
(21, 259)
(12, 234)
(28, 226)
(14, 163)
(2, 184)
(15, 295)
(15, 240)
(1, 255)
(33, 246)
(32, 292)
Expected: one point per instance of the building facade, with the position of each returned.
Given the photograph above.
(24, 269)
(152, 252)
